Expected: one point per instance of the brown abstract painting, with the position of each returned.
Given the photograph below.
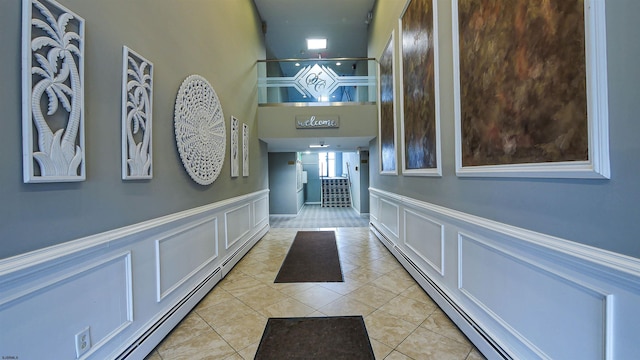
(523, 93)
(418, 78)
(386, 100)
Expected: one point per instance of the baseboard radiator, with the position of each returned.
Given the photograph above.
(129, 350)
(235, 254)
(442, 294)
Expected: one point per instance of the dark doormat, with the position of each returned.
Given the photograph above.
(313, 257)
(338, 337)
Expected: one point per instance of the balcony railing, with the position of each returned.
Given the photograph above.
(308, 82)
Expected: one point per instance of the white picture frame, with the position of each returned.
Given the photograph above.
(53, 140)
(137, 116)
(388, 165)
(435, 171)
(597, 166)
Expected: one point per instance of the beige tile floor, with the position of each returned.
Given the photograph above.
(402, 321)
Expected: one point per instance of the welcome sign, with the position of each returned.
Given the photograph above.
(317, 122)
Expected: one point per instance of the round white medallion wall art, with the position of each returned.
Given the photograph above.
(200, 129)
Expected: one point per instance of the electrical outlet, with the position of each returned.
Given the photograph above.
(83, 341)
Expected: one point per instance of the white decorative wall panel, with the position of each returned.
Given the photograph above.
(200, 129)
(52, 93)
(516, 293)
(426, 238)
(137, 116)
(237, 224)
(374, 205)
(52, 309)
(245, 150)
(260, 211)
(537, 304)
(235, 158)
(389, 216)
(184, 251)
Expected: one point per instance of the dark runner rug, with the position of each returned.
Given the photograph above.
(313, 257)
(339, 337)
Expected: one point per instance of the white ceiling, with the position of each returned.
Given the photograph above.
(290, 22)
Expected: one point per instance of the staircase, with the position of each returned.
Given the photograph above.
(335, 192)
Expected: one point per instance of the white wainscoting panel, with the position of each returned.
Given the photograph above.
(374, 206)
(390, 217)
(425, 237)
(196, 244)
(537, 304)
(237, 224)
(130, 285)
(260, 211)
(516, 293)
(41, 319)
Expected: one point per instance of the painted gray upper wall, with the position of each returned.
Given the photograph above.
(220, 40)
(600, 213)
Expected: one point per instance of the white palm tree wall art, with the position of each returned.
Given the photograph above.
(53, 89)
(137, 104)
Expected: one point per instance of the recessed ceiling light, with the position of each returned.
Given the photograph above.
(297, 64)
(338, 63)
(316, 44)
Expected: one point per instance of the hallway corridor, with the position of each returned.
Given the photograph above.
(402, 321)
(316, 216)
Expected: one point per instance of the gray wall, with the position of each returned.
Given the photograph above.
(283, 195)
(219, 40)
(601, 213)
(312, 188)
